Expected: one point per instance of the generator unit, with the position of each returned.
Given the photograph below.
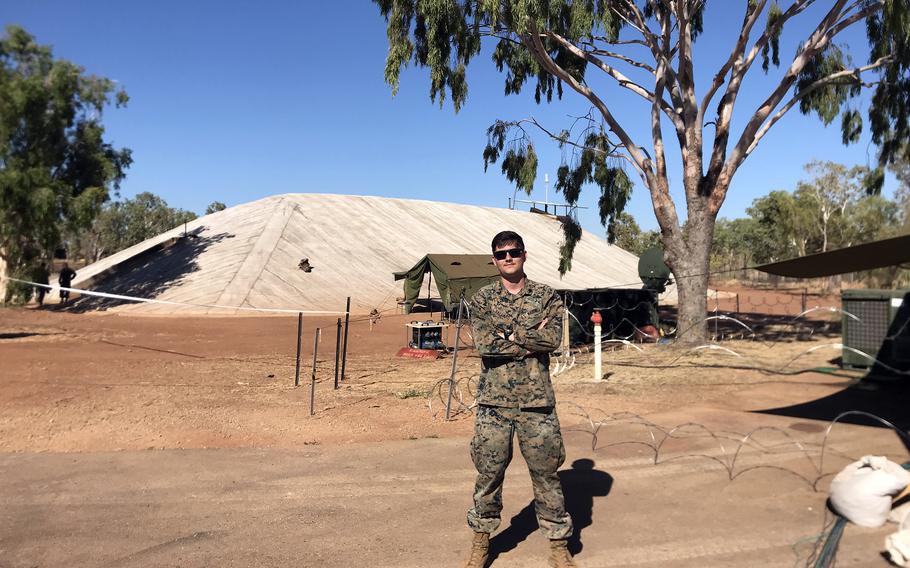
(426, 334)
(880, 328)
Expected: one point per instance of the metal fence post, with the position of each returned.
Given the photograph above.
(337, 349)
(313, 373)
(716, 310)
(805, 293)
(297, 367)
(344, 347)
(454, 358)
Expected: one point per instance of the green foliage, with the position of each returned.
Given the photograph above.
(734, 244)
(519, 164)
(630, 237)
(616, 189)
(830, 211)
(589, 164)
(901, 170)
(56, 170)
(626, 232)
(411, 393)
(214, 207)
(545, 45)
(827, 101)
(873, 181)
(773, 29)
(122, 224)
(871, 217)
(778, 228)
(851, 126)
(571, 233)
(443, 41)
(888, 32)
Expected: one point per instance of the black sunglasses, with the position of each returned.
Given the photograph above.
(514, 253)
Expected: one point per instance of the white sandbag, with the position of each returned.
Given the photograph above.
(862, 491)
(897, 546)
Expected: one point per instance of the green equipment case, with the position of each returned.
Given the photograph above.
(876, 323)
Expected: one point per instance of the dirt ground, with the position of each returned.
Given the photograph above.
(99, 383)
(96, 382)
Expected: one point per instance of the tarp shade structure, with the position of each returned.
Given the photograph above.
(877, 254)
(453, 273)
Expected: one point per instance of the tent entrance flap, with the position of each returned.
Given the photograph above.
(455, 274)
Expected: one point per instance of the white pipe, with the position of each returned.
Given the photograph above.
(598, 373)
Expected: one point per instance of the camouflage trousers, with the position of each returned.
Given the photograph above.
(541, 445)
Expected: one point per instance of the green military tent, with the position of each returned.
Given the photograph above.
(454, 274)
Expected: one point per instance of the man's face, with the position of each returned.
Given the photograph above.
(510, 265)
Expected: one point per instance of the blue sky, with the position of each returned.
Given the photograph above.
(234, 101)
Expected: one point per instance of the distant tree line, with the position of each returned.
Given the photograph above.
(56, 169)
(834, 209)
(58, 175)
(122, 224)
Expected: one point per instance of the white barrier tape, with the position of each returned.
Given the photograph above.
(150, 301)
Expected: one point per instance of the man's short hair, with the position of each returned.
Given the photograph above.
(507, 238)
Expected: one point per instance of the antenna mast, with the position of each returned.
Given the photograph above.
(546, 193)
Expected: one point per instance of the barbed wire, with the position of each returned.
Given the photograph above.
(658, 436)
(464, 396)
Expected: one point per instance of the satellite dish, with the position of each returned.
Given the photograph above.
(652, 270)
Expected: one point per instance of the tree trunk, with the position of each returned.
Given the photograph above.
(2, 280)
(692, 293)
(691, 267)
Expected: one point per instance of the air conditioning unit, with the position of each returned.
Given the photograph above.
(879, 328)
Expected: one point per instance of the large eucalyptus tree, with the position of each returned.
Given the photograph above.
(56, 168)
(552, 45)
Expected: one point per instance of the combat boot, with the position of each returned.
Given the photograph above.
(480, 551)
(560, 556)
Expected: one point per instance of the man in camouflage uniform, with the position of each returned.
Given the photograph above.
(517, 324)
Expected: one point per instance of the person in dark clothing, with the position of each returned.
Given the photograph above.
(65, 280)
(42, 276)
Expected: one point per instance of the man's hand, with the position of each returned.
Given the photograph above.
(543, 323)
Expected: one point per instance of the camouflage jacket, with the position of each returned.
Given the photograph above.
(516, 373)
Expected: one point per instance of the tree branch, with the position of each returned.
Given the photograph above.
(497, 36)
(749, 20)
(656, 133)
(794, 10)
(820, 37)
(833, 78)
(651, 42)
(685, 75)
(533, 121)
(633, 9)
(621, 57)
(620, 78)
(533, 43)
(619, 41)
(849, 21)
(663, 205)
(691, 146)
(728, 102)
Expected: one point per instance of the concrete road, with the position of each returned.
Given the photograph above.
(401, 504)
